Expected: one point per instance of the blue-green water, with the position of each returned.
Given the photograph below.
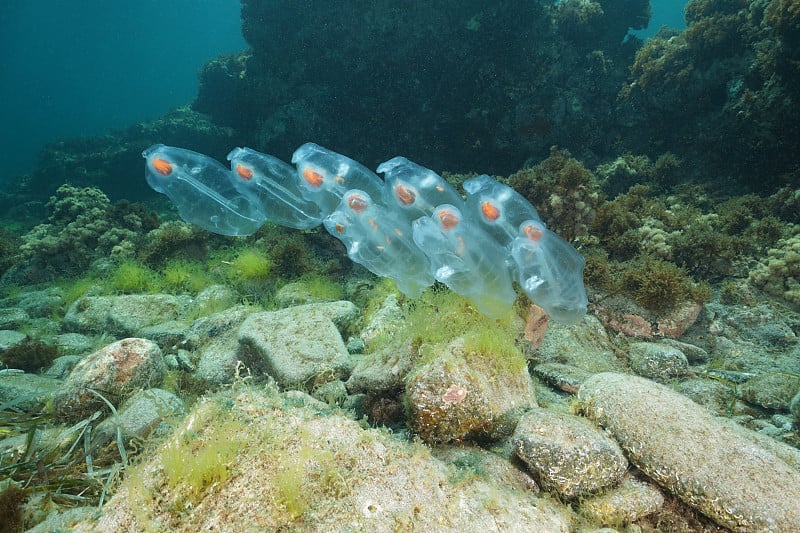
(72, 69)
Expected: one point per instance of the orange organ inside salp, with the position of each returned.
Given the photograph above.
(490, 211)
(313, 177)
(405, 195)
(246, 173)
(533, 232)
(448, 219)
(162, 166)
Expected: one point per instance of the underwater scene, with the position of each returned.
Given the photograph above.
(407, 266)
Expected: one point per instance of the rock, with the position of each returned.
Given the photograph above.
(568, 378)
(44, 303)
(627, 503)
(139, 416)
(220, 363)
(216, 341)
(210, 327)
(462, 396)
(10, 338)
(772, 391)
(299, 465)
(298, 293)
(694, 354)
(214, 298)
(794, 408)
(297, 345)
(115, 371)
(123, 315)
(62, 366)
(12, 317)
(74, 343)
(567, 454)
(584, 345)
(715, 395)
(333, 393)
(673, 324)
(658, 361)
(703, 461)
(27, 392)
(386, 320)
(168, 335)
(381, 371)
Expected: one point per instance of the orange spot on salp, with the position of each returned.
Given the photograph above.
(533, 232)
(461, 246)
(312, 177)
(339, 180)
(448, 219)
(339, 227)
(405, 195)
(357, 203)
(490, 211)
(162, 166)
(398, 232)
(372, 224)
(244, 172)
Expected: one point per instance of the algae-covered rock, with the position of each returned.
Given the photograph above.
(585, 345)
(772, 391)
(115, 371)
(139, 416)
(567, 454)
(381, 371)
(460, 395)
(624, 504)
(658, 361)
(297, 345)
(707, 463)
(125, 314)
(779, 273)
(250, 459)
(26, 392)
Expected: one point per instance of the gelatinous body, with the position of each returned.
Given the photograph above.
(412, 228)
(550, 271)
(276, 186)
(414, 190)
(325, 176)
(202, 190)
(466, 259)
(381, 241)
(497, 208)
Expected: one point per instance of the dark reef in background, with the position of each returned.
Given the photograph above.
(724, 95)
(462, 86)
(482, 86)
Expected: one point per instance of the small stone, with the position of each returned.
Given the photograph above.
(12, 317)
(627, 503)
(772, 391)
(26, 392)
(566, 377)
(654, 360)
(296, 345)
(115, 371)
(381, 371)
(567, 454)
(139, 416)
